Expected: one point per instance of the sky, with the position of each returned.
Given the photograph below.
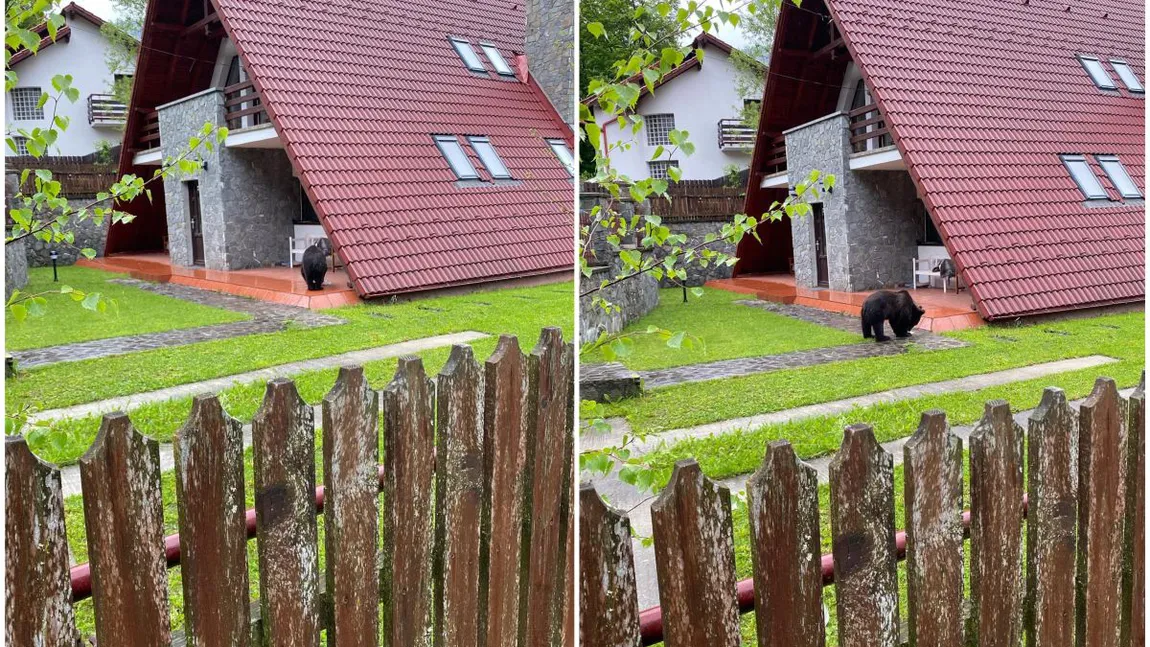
(732, 36)
(102, 8)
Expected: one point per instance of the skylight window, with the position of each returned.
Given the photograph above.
(496, 59)
(560, 149)
(453, 152)
(1126, 73)
(1097, 73)
(1084, 176)
(1118, 176)
(467, 53)
(490, 158)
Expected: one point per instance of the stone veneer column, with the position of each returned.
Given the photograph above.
(550, 44)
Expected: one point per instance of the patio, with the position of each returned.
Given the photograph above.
(944, 311)
(282, 285)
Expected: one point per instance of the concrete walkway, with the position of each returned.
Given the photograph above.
(625, 497)
(619, 426)
(129, 402)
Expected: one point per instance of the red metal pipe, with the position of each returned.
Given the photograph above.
(651, 620)
(82, 573)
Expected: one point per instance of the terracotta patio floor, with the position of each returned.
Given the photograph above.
(277, 284)
(944, 311)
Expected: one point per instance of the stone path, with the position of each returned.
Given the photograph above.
(126, 403)
(844, 322)
(266, 318)
(625, 497)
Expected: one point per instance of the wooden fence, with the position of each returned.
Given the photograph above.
(477, 533)
(1080, 548)
(692, 200)
(79, 177)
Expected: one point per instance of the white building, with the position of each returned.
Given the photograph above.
(699, 96)
(79, 50)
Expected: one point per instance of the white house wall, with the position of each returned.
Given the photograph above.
(698, 98)
(82, 56)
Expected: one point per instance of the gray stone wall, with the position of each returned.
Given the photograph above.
(869, 217)
(635, 297)
(247, 196)
(15, 267)
(696, 231)
(87, 234)
(550, 43)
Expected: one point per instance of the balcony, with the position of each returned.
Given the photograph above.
(104, 110)
(243, 107)
(735, 135)
(236, 106)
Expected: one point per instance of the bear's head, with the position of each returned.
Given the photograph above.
(916, 314)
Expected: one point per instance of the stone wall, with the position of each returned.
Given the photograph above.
(635, 297)
(87, 234)
(696, 231)
(248, 197)
(15, 267)
(550, 42)
(869, 217)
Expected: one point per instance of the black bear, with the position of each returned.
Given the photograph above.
(314, 265)
(896, 307)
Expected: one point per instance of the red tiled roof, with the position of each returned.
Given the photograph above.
(357, 89)
(982, 97)
(63, 34)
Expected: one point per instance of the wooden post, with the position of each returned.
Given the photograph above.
(283, 434)
(36, 584)
(1134, 589)
(996, 529)
(1051, 522)
(209, 453)
(409, 466)
(458, 494)
(695, 560)
(505, 463)
(934, 555)
(783, 507)
(124, 518)
(862, 530)
(351, 509)
(1101, 516)
(608, 598)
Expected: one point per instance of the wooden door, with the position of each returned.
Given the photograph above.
(196, 223)
(823, 268)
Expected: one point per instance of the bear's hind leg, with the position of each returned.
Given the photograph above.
(867, 333)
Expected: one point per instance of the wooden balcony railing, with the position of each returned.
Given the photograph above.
(868, 129)
(243, 106)
(104, 110)
(149, 132)
(734, 134)
(776, 161)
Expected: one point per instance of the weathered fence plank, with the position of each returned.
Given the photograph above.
(409, 467)
(695, 560)
(783, 507)
(933, 502)
(608, 597)
(1051, 522)
(209, 456)
(549, 451)
(283, 438)
(1134, 589)
(1101, 516)
(996, 529)
(459, 499)
(351, 509)
(505, 464)
(124, 518)
(862, 531)
(38, 593)
(570, 593)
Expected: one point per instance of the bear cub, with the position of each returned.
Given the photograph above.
(314, 265)
(896, 307)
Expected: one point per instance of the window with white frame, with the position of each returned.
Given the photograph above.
(496, 59)
(1084, 177)
(1126, 73)
(559, 147)
(1097, 72)
(452, 151)
(26, 104)
(658, 170)
(467, 53)
(1118, 176)
(659, 128)
(21, 144)
(490, 159)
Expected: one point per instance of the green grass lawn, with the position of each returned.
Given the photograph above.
(726, 330)
(494, 312)
(519, 310)
(137, 311)
(993, 348)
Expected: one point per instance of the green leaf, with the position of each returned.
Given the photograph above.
(19, 312)
(596, 29)
(91, 301)
(697, 291)
(676, 340)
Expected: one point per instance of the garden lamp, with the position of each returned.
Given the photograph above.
(53, 255)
